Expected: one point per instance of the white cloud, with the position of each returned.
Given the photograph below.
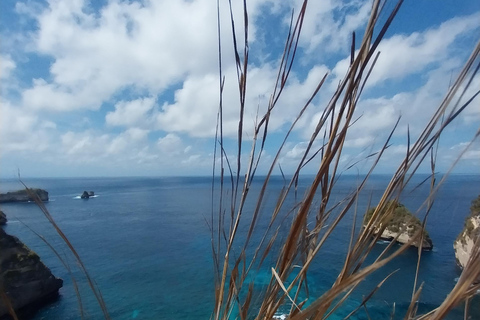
(471, 151)
(96, 147)
(403, 55)
(125, 45)
(22, 131)
(148, 46)
(297, 151)
(171, 144)
(130, 113)
(7, 65)
(196, 104)
(328, 25)
(134, 55)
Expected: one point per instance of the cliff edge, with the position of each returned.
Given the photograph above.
(3, 218)
(24, 278)
(471, 232)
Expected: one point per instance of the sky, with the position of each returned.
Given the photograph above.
(131, 88)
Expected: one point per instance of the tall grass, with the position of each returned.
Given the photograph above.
(300, 231)
(295, 235)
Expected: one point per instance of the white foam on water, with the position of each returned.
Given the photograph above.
(383, 242)
(79, 197)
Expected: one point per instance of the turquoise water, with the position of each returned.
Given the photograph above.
(146, 243)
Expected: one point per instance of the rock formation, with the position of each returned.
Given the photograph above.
(23, 196)
(402, 224)
(87, 194)
(3, 218)
(25, 280)
(471, 232)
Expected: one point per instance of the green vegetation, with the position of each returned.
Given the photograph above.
(469, 230)
(400, 219)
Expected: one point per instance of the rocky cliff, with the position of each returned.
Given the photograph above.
(403, 224)
(23, 277)
(471, 232)
(23, 196)
(3, 218)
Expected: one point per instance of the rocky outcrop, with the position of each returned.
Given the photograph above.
(3, 218)
(23, 196)
(87, 194)
(24, 279)
(465, 241)
(402, 225)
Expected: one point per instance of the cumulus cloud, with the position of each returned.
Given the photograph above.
(328, 25)
(149, 69)
(130, 113)
(402, 55)
(146, 45)
(23, 131)
(7, 65)
(171, 144)
(124, 45)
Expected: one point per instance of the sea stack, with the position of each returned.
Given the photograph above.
(26, 280)
(465, 241)
(23, 195)
(403, 225)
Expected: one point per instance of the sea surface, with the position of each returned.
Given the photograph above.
(146, 244)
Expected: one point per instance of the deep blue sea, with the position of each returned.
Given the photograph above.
(146, 244)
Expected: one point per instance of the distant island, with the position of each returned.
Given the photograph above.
(23, 195)
(402, 226)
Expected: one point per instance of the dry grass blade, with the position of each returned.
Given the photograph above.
(6, 301)
(280, 283)
(307, 231)
(93, 286)
(412, 308)
(65, 265)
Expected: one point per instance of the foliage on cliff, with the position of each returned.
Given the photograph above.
(401, 216)
(469, 229)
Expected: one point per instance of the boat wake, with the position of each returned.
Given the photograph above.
(79, 197)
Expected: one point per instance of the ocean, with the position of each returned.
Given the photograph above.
(146, 243)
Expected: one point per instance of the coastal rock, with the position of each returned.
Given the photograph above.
(85, 195)
(3, 218)
(465, 241)
(402, 224)
(23, 196)
(26, 280)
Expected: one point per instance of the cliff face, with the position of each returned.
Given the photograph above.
(465, 241)
(22, 196)
(402, 224)
(3, 218)
(25, 279)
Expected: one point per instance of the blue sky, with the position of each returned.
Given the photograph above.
(130, 88)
